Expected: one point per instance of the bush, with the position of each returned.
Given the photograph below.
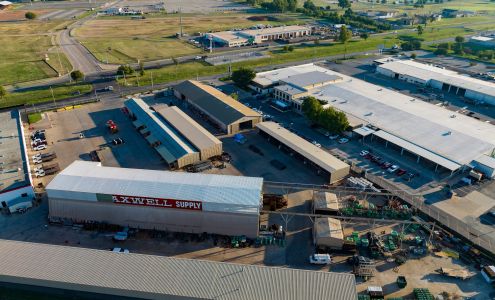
(441, 51)
(125, 69)
(243, 76)
(30, 15)
(76, 75)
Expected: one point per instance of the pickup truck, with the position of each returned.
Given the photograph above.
(44, 157)
(47, 170)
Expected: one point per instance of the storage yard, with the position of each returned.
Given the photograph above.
(190, 172)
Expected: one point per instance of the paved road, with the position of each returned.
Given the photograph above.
(80, 58)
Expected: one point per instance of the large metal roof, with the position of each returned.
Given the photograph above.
(81, 180)
(221, 106)
(310, 79)
(14, 171)
(319, 157)
(442, 161)
(176, 145)
(429, 72)
(190, 129)
(157, 277)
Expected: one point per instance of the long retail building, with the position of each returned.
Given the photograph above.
(429, 133)
(161, 200)
(101, 274)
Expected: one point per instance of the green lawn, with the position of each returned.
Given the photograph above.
(23, 47)
(34, 117)
(44, 95)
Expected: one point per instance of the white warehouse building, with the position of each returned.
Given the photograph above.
(479, 91)
(159, 200)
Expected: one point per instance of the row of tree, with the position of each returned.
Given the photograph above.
(328, 118)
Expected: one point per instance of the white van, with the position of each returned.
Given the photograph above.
(320, 259)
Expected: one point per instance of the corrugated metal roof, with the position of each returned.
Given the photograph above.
(318, 156)
(189, 128)
(221, 106)
(155, 277)
(442, 161)
(217, 192)
(310, 79)
(486, 160)
(168, 137)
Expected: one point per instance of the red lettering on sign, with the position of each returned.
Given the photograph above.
(157, 202)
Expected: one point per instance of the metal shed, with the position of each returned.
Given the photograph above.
(322, 160)
(206, 143)
(161, 200)
(229, 114)
(179, 152)
(325, 203)
(328, 233)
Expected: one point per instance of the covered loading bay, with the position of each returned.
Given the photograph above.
(228, 114)
(324, 163)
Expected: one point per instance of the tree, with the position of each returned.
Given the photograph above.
(125, 70)
(413, 55)
(3, 92)
(76, 75)
(141, 68)
(344, 36)
(311, 108)
(280, 5)
(364, 35)
(333, 120)
(420, 30)
(459, 39)
(441, 51)
(291, 5)
(310, 6)
(235, 96)
(243, 76)
(30, 15)
(290, 48)
(344, 4)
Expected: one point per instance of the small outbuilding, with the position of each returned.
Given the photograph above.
(328, 233)
(325, 203)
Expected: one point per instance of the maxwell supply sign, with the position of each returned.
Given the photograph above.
(157, 202)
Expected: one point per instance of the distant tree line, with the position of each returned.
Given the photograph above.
(310, 9)
(328, 118)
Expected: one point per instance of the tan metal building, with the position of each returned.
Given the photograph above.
(328, 233)
(325, 203)
(83, 273)
(324, 162)
(230, 115)
(160, 200)
(175, 150)
(205, 142)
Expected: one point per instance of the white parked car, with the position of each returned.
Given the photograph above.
(393, 168)
(364, 152)
(334, 137)
(40, 173)
(40, 147)
(343, 140)
(120, 250)
(320, 259)
(316, 144)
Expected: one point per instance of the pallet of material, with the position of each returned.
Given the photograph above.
(456, 273)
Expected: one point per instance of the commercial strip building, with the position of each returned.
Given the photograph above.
(429, 133)
(325, 163)
(159, 200)
(205, 142)
(16, 190)
(100, 274)
(258, 36)
(483, 41)
(447, 81)
(228, 114)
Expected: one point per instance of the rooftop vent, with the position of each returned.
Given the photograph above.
(453, 116)
(369, 114)
(447, 133)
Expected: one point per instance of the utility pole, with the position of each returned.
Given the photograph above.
(180, 22)
(53, 96)
(151, 74)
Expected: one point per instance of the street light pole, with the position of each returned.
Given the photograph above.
(53, 96)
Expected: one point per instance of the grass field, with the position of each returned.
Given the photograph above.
(44, 95)
(23, 48)
(123, 40)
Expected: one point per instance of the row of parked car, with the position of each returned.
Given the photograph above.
(38, 140)
(388, 166)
